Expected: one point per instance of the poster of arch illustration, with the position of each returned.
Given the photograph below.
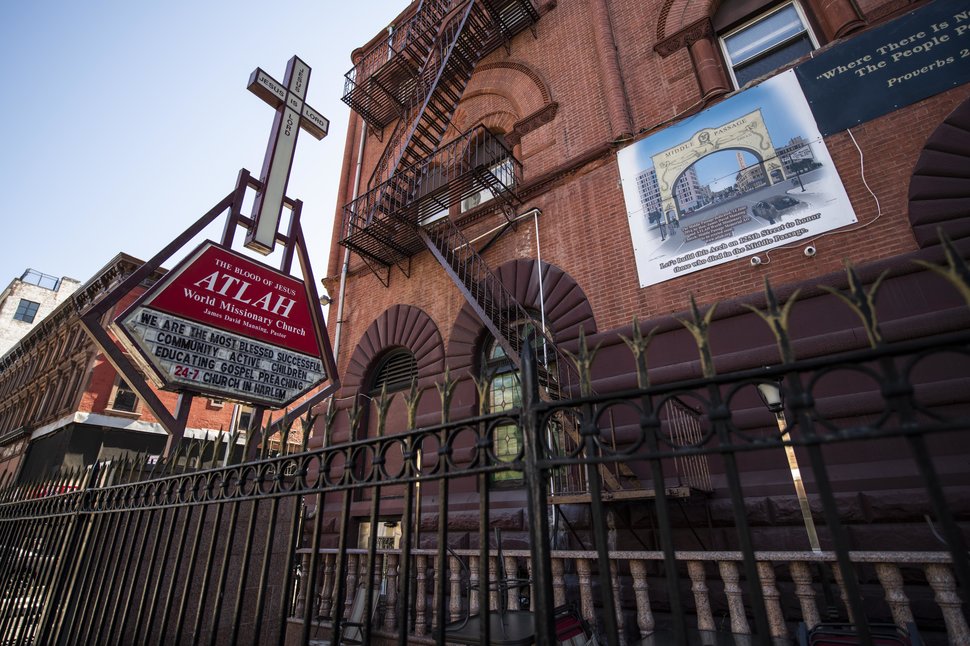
(745, 176)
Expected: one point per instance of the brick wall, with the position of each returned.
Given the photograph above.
(583, 227)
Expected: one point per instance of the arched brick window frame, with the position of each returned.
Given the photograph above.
(566, 306)
(939, 191)
(400, 326)
(507, 97)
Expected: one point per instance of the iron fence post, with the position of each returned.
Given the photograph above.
(537, 496)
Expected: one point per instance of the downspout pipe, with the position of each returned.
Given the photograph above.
(345, 269)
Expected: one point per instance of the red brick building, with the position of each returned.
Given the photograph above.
(63, 405)
(513, 150)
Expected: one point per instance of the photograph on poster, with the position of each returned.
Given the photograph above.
(748, 175)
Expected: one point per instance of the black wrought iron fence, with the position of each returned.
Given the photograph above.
(195, 550)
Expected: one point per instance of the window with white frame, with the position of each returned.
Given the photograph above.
(768, 41)
(123, 397)
(244, 417)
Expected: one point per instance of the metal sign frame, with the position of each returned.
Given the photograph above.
(293, 242)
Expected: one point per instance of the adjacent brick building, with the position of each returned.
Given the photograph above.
(63, 405)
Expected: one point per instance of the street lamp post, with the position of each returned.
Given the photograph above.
(773, 398)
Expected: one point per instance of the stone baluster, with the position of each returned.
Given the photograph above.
(558, 582)
(454, 596)
(702, 599)
(390, 613)
(421, 595)
(617, 600)
(645, 621)
(326, 590)
(492, 580)
(532, 587)
(585, 588)
(776, 619)
(801, 575)
(300, 605)
(944, 586)
(351, 590)
(843, 593)
(511, 566)
(892, 584)
(474, 564)
(731, 578)
(434, 590)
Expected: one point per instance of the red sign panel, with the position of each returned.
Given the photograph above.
(223, 324)
(233, 293)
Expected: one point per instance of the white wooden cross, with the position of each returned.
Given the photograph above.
(292, 113)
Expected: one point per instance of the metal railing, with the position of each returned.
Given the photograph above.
(198, 550)
(382, 222)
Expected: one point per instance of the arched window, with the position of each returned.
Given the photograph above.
(395, 371)
(504, 392)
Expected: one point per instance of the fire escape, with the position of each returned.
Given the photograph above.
(415, 80)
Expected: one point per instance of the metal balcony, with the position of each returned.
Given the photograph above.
(381, 225)
(386, 80)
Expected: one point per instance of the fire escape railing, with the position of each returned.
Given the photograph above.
(381, 223)
(385, 80)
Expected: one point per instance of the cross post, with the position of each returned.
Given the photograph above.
(292, 113)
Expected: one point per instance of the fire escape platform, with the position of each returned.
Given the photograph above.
(382, 223)
(382, 83)
(621, 495)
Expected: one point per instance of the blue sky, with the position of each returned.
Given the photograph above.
(122, 122)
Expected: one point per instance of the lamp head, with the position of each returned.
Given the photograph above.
(772, 395)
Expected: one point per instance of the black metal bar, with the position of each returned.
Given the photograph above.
(340, 598)
(175, 570)
(309, 609)
(649, 428)
(589, 431)
(535, 482)
(109, 584)
(12, 556)
(270, 529)
(823, 484)
(407, 532)
(189, 577)
(217, 601)
(296, 534)
(244, 570)
(76, 584)
(720, 413)
(216, 535)
(158, 521)
(128, 582)
(159, 579)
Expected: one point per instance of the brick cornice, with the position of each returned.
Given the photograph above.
(685, 37)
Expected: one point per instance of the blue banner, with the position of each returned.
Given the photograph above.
(915, 56)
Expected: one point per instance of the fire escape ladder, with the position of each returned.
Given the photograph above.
(503, 316)
(440, 85)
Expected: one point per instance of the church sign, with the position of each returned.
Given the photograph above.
(227, 326)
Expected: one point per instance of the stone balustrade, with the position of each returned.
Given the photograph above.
(713, 590)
